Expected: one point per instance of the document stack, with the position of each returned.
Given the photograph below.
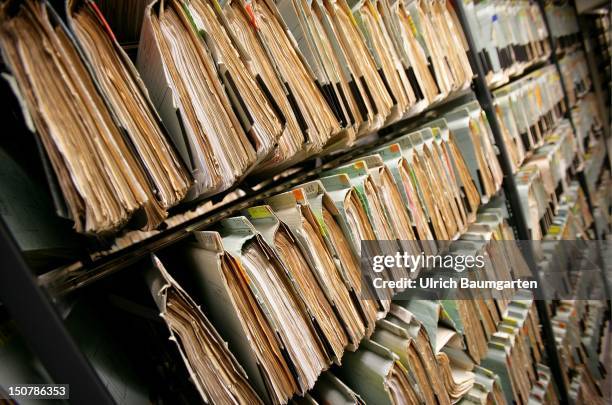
(581, 367)
(510, 37)
(563, 26)
(106, 157)
(528, 110)
(473, 136)
(517, 341)
(576, 76)
(217, 376)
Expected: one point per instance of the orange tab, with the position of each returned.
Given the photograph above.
(249, 11)
(298, 194)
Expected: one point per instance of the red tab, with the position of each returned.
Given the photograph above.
(249, 11)
(97, 11)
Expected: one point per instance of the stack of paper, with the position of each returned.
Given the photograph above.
(563, 26)
(354, 217)
(529, 110)
(97, 178)
(543, 392)
(333, 226)
(587, 119)
(534, 200)
(409, 46)
(486, 390)
(330, 390)
(437, 33)
(387, 62)
(294, 210)
(122, 87)
(456, 372)
(252, 300)
(397, 214)
(575, 73)
(319, 121)
(311, 25)
(517, 341)
(474, 140)
(258, 116)
(407, 185)
(410, 339)
(292, 144)
(509, 37)
(584, 390)
(307, 282)
(212, 368)
(377, 375)
(372, 202)
(369, 85)
(434, 182)
(193, 103)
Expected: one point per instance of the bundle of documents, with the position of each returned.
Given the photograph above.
(438, 191)
(456, 371)
(412, 197)
(331, 390)
(509, 36)
(368, 87)
(573, 217)
(307, 282)
(122, 87)
(587, 120)
(554, 160)
(336, 73)
(342, 281)
(410, 339)
(454, 365)
(583, 389)
(543, 391)
(387, 63)
(486, 390)
(441, 39)
(473, 138)
(212, 368)
(251, 298)
(410, 47)
(581, 362)
(563, 26)
(433, 180)
(96, 173)
(535, 201)
(317, 117)
(292, 144)
(371, 199)
(576, 77)
(201, 100)
(515, 342)
(377, 375)
(465, 313)
(257, 112)
(528, 110)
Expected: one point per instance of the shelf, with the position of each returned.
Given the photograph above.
(100, 264)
